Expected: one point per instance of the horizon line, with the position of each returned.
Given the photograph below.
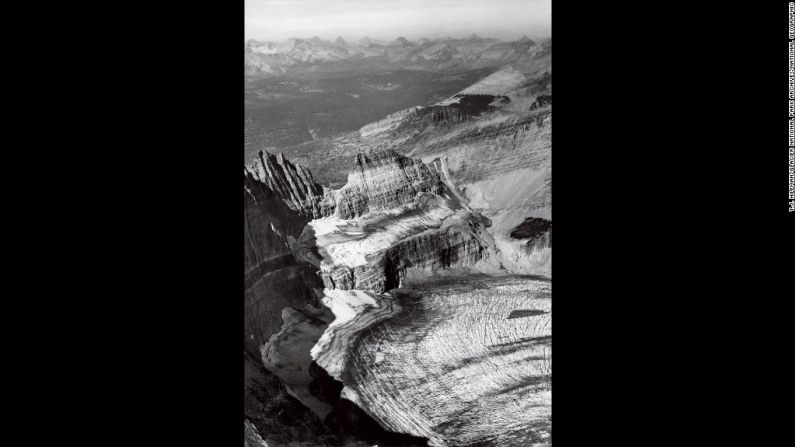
(467, 37)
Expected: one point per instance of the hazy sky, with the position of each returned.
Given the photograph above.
(388, 19)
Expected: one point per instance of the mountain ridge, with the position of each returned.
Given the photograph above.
(268, 58)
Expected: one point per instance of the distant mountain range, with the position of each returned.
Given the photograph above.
(315, 54)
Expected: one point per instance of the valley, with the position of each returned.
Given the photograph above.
(301, 108)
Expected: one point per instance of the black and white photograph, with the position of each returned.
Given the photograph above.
(398, 230)
(358, 195)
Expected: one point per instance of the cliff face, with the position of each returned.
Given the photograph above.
(390, 122)
(453, 246)
(273, 414)
(268, 224)
(274, 278)
(536, 231)
(292, 183)
(383, 181)
(395, 214)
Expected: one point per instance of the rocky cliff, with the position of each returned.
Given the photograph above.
(274, 277)
(389, 123)
(536, 231)
(292, 183)
(490, 144)
(396, 214)
(382, 181)
(273, 416)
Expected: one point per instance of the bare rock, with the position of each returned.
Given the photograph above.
(383, 180)
(293, 183)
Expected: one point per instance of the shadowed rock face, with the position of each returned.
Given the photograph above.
(267, 222)
(274, 278)
(537, 231)
(347, 420)
(541, 101)
(292, 183)
(468, 105)
(447, 115)
(276, 417)
(532, 227)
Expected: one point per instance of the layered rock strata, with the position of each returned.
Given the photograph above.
(394, 214)
(382, 181)
(496, 156)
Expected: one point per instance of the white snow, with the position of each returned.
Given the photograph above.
(497, 83)
(346, 245)
(345, 303)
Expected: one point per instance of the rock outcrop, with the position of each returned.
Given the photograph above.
(274, 277)
(286, 354)
(293, 183)
(382, 181)
(273, 416)
(541, 101)
(390, 122)
(395, 214)
(454, 246)
(537, 232)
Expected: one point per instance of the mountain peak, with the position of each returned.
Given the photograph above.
(403, 41)
(292, 182)
(340, 41)
(526, 39)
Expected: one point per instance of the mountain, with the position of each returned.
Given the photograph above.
(289, 399)
(296, 55)
(384, 264)
(491, 141)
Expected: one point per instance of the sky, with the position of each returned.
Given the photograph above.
(275, 20)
